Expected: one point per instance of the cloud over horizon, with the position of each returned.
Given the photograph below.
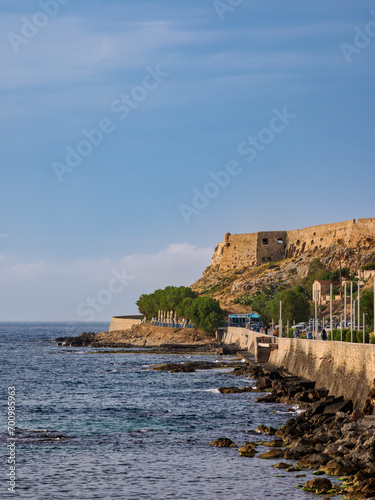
(94, 290)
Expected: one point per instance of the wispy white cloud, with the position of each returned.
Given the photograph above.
(49, 291)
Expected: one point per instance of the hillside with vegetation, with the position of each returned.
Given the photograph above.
(261, 288)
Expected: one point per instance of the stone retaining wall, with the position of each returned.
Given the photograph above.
(124, 322)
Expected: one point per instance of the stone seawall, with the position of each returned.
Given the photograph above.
(343, 368)
(242, 337)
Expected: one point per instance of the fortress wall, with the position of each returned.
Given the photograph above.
(358, 235)
(271, 246)
(318, 237)
(239, 250)
(217, 256)
(364, 233)
(343, 368)
(248, 250)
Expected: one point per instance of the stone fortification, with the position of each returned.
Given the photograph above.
(254, 249)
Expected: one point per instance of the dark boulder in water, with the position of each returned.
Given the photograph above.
(83, 340)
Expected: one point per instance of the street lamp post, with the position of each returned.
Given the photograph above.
(345, 305)
(351, 311)
(330, 311)
(359, 306)
(316, 312)
(341, 327)
(364, 329)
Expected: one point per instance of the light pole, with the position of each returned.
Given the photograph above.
(330, 311)
(345, 305)
(341, 327)
(281, 320)
(364, 329)
(351, 311)
(359, 306)
(316, 312)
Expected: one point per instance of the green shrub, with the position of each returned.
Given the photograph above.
(359, 336)
(336, 335)
(205, 313)
(369, 267)
(244, 300)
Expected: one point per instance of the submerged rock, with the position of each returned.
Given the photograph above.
(223, 443)
(262, 429)
(235, 390)
(247, 450)
(282, 465)
(275, 443)
(192, 366)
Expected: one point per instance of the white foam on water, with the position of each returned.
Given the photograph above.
(215, 391)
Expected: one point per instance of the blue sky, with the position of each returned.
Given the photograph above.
(178, 87)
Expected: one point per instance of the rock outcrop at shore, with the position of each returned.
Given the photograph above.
(329, 436)
(143, 336)
(83, 340)
(152, 336)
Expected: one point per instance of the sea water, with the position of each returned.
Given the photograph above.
(97, 425)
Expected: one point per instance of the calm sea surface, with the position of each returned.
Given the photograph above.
(104, 426)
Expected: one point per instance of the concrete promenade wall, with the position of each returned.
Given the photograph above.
(242, 337)
(343, 368)
(124, 322)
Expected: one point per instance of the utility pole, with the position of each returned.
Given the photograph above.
(345, 305)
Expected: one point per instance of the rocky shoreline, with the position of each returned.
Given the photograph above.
(157, 339)
(329, 436)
